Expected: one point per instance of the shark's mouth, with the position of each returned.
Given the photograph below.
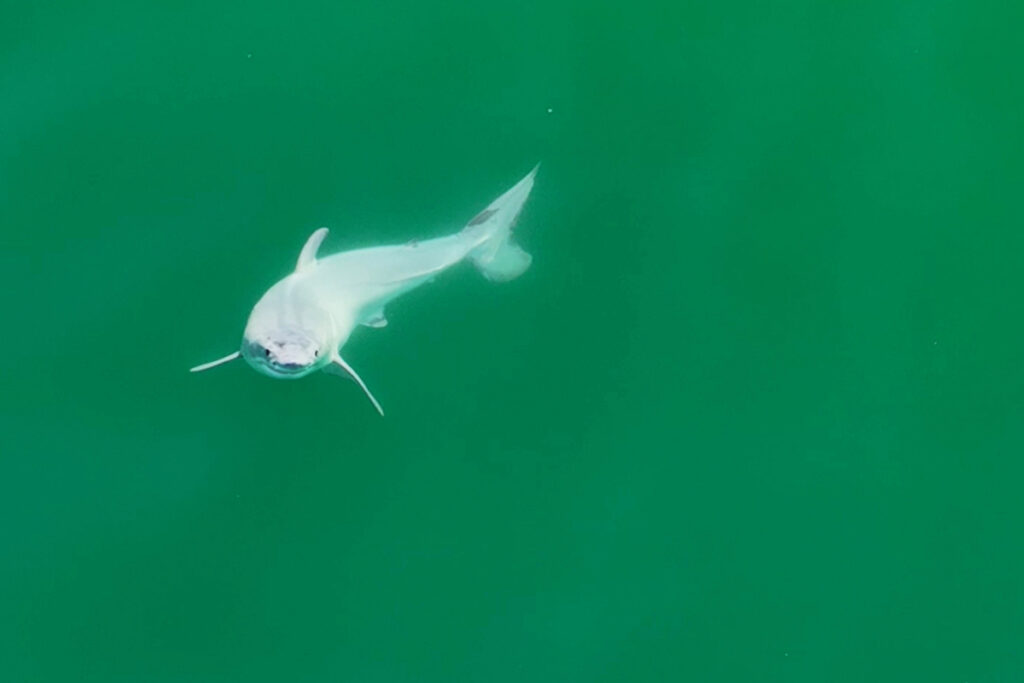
(288, 359)
(287, 369)
(274, 368)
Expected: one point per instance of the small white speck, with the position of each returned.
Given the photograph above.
(550, 110)
(249, 56)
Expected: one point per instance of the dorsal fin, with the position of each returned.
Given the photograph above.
(307, 257)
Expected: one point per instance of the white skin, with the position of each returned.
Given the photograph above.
(301, 324)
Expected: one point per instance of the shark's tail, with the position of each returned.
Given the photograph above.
(496, 256)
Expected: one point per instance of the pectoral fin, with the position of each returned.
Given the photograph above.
(215, 363)
(376, 320)
(339, 365)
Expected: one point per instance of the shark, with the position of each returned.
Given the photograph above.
(301, 324)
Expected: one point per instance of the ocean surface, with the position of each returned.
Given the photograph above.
(756, 412)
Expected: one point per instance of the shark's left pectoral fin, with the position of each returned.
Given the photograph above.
(307, 257)
(339, 365)
(215, 363)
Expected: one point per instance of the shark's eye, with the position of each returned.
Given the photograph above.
(266, 352)
(316, 353)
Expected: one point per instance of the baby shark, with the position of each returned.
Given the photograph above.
(301, 324)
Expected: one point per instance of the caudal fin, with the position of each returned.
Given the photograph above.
(497, 257)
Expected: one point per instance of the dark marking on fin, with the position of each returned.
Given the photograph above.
(482, 217)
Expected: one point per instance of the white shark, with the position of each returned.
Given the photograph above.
(301, 324)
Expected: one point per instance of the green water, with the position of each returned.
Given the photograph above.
(754, 414)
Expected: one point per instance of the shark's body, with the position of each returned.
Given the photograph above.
(302, 322)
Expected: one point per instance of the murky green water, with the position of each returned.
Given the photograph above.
(755, 414)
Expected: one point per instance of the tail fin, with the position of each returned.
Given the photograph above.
(497, 257)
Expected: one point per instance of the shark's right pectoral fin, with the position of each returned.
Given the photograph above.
(215, 363)
(339, 366)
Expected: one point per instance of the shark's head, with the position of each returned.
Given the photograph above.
(289, 332)
(285, 353)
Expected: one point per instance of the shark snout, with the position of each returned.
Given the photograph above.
(287, 355)
(291, 355)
